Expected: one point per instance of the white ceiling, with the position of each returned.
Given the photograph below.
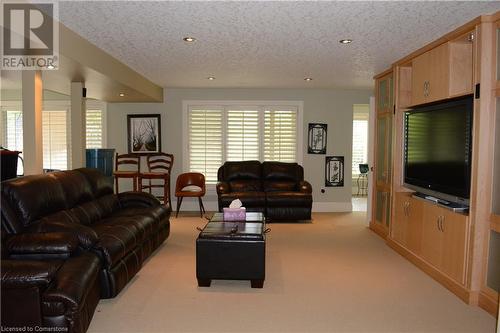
(265, 44)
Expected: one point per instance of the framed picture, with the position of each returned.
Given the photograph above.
(144, 133)
(334, 171)
(317, 138)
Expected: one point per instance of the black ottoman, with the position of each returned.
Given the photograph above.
(231, 251)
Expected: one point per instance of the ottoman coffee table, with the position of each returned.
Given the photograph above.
(232, 250)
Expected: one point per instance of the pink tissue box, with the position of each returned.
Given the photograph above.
(235, 214)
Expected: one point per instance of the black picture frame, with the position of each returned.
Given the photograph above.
(144, 133)
(317, 138)
(334, 171)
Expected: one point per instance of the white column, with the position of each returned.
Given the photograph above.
(32, 122)
(77, 116)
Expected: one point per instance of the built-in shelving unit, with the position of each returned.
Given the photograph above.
(461, 250)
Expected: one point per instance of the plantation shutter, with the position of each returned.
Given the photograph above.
(55, 148)
(205, 142)
(242, 135)
(94, 129)
(280, 135)
(13, 130)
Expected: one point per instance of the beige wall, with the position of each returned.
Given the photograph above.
(333, 107)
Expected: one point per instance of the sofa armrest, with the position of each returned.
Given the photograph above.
(305, 187)
(42, 245)
(28, 273)
(137, 199)
(87, 237)
(74, 279)
(222, 187)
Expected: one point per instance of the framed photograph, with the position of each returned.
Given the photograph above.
(144, 133)
(334, 171)
(317, 138)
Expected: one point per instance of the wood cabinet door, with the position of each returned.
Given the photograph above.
(385, 94)
(455, 231)
(432, 237)
(381, 160)
(414, 225)
(419, 78)
(400, 221)
(438, 73)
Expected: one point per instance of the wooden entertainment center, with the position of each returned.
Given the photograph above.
(461, 250)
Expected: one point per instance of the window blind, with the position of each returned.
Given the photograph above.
(242, 135)
(94, 129)
(280, 135)
(205, 142)
(55, 148)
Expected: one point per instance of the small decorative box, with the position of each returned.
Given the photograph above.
(235, 214)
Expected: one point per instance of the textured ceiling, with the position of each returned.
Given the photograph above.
(265, 44)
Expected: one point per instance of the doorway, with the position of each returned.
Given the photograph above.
(360, 154)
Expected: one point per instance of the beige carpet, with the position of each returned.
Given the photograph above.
(332, 275)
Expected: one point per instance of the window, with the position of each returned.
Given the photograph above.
(280, 135)
(205, 142)
(359, 137)
(55, 145)
(242, 135)
(94, 128)
(237, 131)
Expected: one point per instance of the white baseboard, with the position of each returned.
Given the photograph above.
(332, 207)
(191, 204)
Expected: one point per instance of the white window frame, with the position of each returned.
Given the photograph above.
(225, 104)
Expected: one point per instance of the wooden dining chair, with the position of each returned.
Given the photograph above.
(159, 168)
(127, 166)
(191, 184)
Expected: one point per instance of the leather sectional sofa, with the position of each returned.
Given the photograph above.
(276, 189)
(67, 241)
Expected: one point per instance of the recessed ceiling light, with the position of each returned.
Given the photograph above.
(345, 41)
(50, 67)
(308, 79)
(189, 39)
(211, 78)
(121, 94)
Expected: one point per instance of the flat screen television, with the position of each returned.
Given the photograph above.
(437, 149)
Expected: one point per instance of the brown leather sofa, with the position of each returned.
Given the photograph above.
(276, 189)
(96, 230)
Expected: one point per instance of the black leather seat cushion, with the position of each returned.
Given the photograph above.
(249, 199)
(288, 199)
(117, 237)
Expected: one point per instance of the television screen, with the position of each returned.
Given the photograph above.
(438, 142)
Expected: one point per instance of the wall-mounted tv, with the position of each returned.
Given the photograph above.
(437, 150)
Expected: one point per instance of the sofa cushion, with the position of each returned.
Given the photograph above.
(245, 185)
(241, 170)
(33, 197)
(159, 214)
(249, 199)
(288, 199)
(76, 188)
(280, 186)
(116, 239)
(282, 171)
(100, 184)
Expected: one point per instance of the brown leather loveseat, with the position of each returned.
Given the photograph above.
(276, 189)
(70, 240)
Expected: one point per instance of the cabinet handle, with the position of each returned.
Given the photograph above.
(437, 223)
(428, 88)
(442, 223)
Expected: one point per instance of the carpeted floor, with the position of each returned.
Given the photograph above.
(331, 275)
